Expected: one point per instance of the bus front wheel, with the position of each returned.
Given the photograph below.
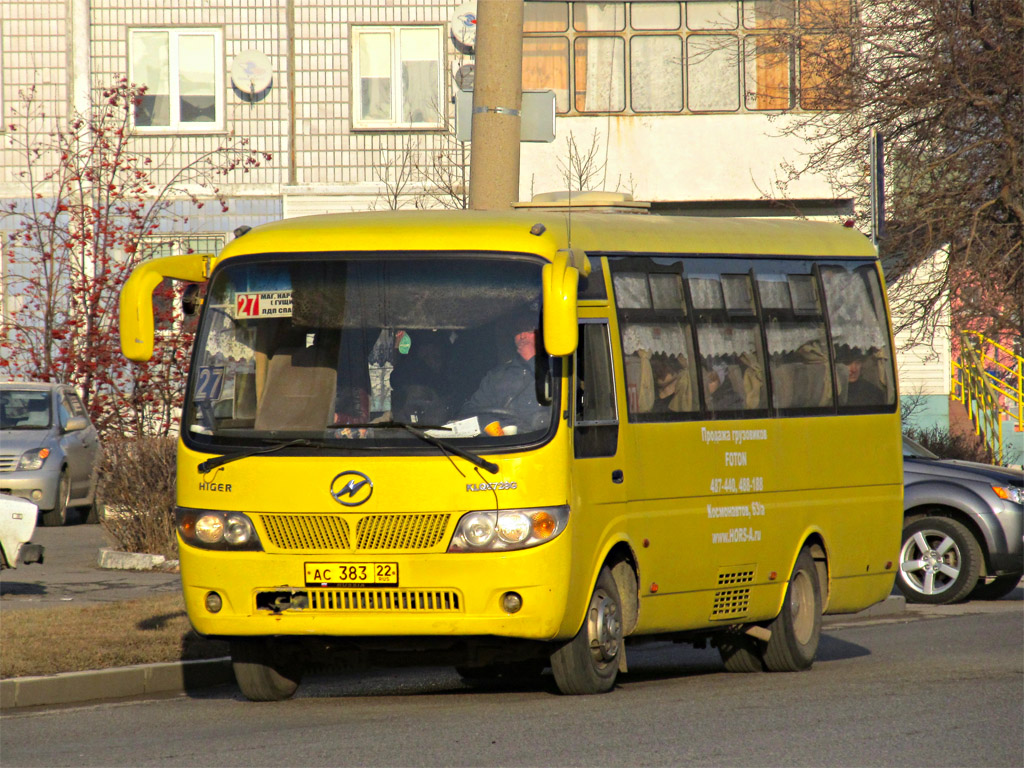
(797, 630)
(263, 672)
(589, 663)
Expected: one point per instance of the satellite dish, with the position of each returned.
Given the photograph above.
(463, 74)
(251, 72)
(463, 26)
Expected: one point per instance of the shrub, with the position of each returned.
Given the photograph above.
(137, 489)
(947, 444)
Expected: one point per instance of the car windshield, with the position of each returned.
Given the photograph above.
(25, 409)
(915, 450)
(358, 349)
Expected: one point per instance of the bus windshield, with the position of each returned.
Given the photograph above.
(340, 349)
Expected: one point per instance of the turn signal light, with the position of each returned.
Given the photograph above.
(544, 525)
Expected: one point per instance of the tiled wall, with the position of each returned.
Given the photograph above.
(327, 152)
(246, 25)
(33, 39)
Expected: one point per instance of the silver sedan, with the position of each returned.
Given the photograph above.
(49, 450)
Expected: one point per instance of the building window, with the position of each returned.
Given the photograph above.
(689, 56)
(397, 77)
(183, 71)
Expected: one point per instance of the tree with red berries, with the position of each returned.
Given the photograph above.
(94, 208)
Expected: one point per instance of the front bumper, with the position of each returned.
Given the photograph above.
(38, 486)
(438, 594)
(1009, 525)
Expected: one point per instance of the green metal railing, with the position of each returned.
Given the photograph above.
(988, 379)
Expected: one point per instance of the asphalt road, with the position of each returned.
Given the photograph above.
(942, 688)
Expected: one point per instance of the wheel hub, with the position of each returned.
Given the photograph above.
(605, 628)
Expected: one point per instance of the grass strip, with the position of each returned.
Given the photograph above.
(47, 641)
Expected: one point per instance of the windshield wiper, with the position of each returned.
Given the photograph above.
(220, 461)
(417, 430)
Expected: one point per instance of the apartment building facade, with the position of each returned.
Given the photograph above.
(678, 103)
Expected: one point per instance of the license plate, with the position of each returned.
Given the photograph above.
(362, 574)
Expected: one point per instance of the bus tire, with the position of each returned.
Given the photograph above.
(589, 663)
(797, 629)
(739, 652)
(263, 674)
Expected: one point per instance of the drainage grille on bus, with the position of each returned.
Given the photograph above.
(386, 600)
(730, 603)
(731, 577)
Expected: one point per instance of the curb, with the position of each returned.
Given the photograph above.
(117, 683)
(133, 561)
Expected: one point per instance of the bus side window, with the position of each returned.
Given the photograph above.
(860, 339)
(595, 415)
(794, 323)
(729, 341)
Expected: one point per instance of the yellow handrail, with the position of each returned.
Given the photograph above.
(989, 380)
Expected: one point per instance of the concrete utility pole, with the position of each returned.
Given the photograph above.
(497, 103)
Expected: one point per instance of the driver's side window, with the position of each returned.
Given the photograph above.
(596, 416)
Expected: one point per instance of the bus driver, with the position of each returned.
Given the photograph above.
(508, 392)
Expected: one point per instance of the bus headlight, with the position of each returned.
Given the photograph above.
(508, 529)
(213, 529)
(477, 529)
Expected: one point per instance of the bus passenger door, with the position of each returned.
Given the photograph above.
(598, 469)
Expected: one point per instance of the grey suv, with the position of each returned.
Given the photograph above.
(49, 450)
(962, 533)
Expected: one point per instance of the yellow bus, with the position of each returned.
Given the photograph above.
(510, 441)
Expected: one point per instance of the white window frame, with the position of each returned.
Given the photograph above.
(176, 125)
(396, 122)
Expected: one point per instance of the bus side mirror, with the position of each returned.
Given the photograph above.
(560, 284)
(136, 305)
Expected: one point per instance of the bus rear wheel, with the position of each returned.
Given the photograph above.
(264, 672)
(589, 663)
(796, 631)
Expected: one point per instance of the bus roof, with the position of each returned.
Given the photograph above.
(620, 233)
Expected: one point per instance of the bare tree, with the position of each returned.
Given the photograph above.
(583, 169)
(396, 171)
(941, 81)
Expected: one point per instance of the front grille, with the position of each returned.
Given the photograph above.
(330, 533)
(730, 603)
(8, 462)
(309, 532)
(384, 532)
(386, 600)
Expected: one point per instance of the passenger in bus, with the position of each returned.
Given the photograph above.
(719, 392)
(672, 391)
(509, 391)
(859, 390)
(422, 382)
